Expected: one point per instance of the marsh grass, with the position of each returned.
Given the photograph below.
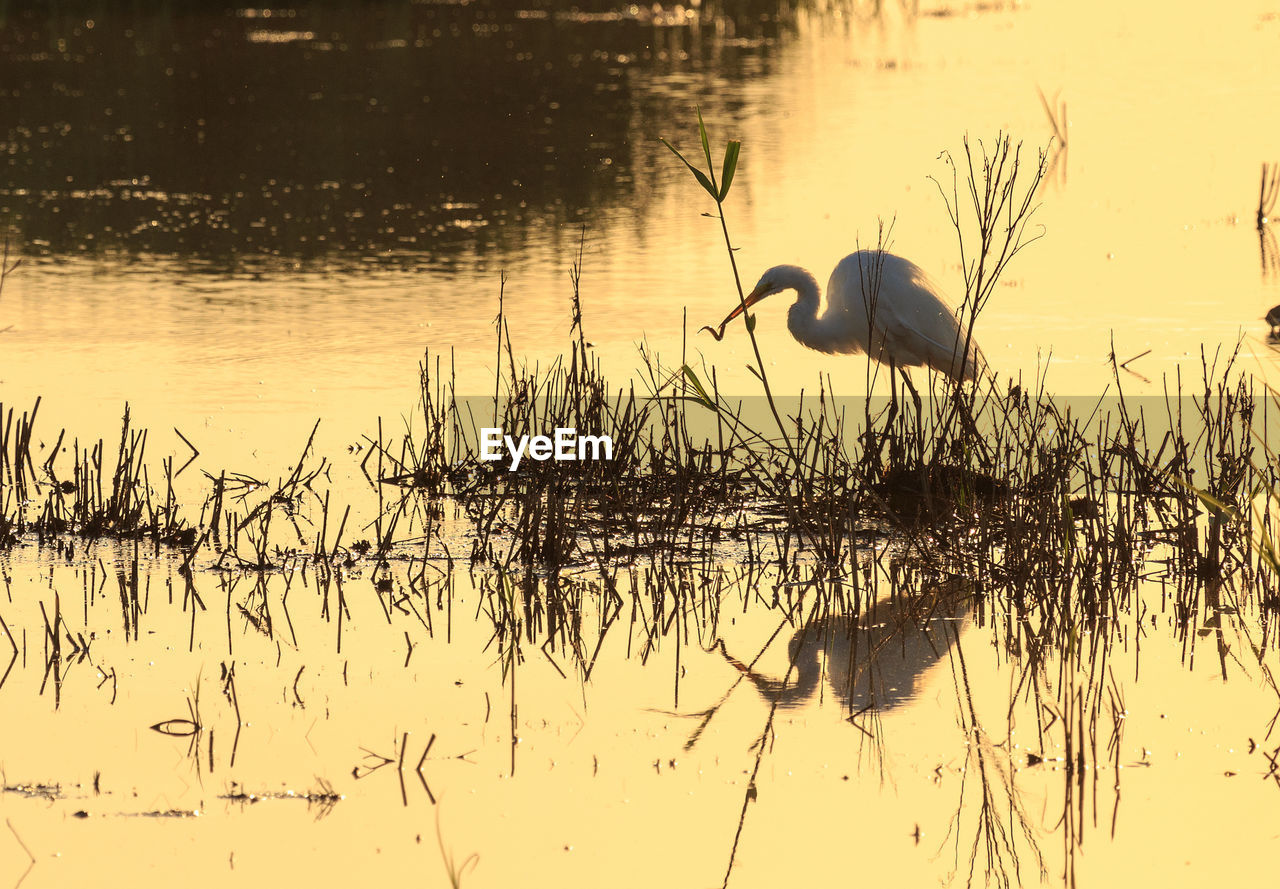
(846, 518)
(1053, 509)
(97, 497)
(1054, 525)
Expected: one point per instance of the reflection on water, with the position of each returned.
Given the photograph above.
(406, 134)
(872, 661)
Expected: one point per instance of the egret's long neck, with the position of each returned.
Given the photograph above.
(787, 692)
(802, 318)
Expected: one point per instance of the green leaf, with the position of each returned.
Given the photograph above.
(730, 166)
(1266, 548)
(697, 174)
(1216, 507)
(706, 143)
(703, 398)
(751, 322)
(1219, 508)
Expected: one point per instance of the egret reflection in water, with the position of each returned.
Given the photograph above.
(871, 661)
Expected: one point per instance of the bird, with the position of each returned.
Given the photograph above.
(876, 661)
(877, 303)
(1273, 318)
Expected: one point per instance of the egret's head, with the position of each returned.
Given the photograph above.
(770, 282)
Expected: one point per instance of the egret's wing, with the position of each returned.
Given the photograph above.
(913, 320)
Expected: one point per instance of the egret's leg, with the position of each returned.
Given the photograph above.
(925, 483)
(893, 398)
(915, 397)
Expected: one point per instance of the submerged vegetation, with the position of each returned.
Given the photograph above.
(872, 529)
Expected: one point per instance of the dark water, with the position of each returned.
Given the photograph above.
(400, 133)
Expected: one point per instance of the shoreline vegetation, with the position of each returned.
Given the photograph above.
(852, 518)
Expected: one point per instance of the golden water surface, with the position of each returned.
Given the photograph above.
(241, 221)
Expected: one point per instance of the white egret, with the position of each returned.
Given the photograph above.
(877, 303)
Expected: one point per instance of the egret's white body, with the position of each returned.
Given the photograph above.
(876, 303)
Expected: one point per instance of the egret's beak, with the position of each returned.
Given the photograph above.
(751, 299)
